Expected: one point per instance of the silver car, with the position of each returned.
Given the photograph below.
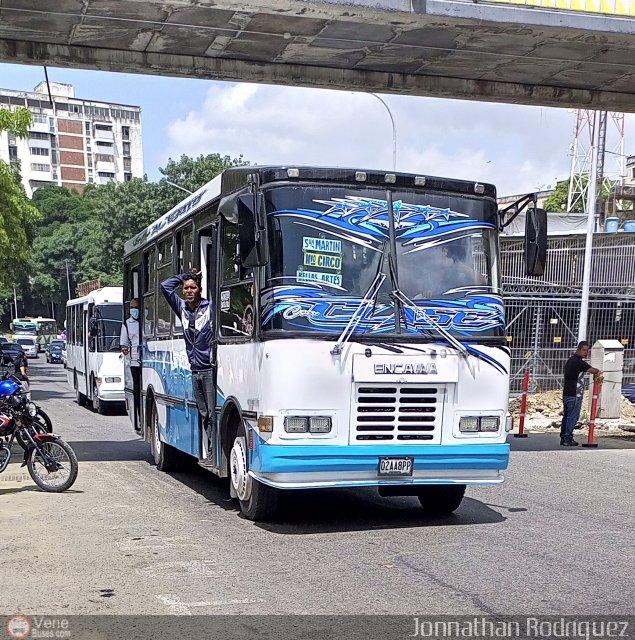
(29, 345)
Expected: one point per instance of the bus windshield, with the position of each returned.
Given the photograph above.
(109, 319)
(328, 244)
(24, 328)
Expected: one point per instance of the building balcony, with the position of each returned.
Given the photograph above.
(40, 127)
(42, 144)
(107, 167)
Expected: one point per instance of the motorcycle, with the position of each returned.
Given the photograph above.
(51, 461)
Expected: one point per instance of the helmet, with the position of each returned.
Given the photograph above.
(8, 387)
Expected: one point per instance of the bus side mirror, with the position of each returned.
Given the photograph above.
(535, 241)
(252, 230)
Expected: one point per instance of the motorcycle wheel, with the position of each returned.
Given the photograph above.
(53, 481)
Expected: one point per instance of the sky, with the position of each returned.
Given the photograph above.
(517, 148)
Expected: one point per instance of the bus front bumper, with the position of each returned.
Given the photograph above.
(323, 466)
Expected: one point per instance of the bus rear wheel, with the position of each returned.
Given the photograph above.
(441, 499)
(80, 398)
(258, 501)
(165, 457)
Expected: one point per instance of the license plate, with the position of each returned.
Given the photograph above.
(395, 466)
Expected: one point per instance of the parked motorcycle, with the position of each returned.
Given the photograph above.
(51, 462)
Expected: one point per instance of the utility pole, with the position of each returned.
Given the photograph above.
(15, 302)
(591, 203)
(68, 281)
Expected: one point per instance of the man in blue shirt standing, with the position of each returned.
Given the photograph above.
(196, 317)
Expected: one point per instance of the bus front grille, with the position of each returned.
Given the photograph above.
(397, 413)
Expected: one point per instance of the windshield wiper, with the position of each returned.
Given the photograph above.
(367, 302)
(447, 336)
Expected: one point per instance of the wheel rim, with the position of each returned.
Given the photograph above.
(240, 478)
(57, 453)
(155, 432)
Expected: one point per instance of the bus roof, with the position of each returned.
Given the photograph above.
(235, 178)
(105, 295)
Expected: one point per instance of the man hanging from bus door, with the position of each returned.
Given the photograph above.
(129, 345)
(196, 317)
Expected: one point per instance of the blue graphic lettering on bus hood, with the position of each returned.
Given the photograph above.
(368, 218)
(312, 307)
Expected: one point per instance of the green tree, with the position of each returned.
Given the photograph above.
(557, 201)
(17, 215)
(192, 174)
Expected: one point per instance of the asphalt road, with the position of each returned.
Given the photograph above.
(556, 538)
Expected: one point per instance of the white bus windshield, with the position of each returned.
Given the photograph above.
(327, 245)
(109, 319)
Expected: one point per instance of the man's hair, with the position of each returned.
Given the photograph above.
(134, 300)
(584, 343)
(192, 276)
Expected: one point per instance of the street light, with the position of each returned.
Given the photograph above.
(394, 131)
(178, 186)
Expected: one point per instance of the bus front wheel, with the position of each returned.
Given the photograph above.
(258, 502)
(441, 499)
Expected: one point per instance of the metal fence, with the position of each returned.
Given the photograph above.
(543, 313)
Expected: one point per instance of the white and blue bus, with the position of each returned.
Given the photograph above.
(94, 365)
(359, 332)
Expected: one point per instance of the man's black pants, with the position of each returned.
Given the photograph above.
(135, 372)
(204, 394)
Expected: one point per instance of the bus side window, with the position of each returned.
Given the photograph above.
(149, 285)
(164, 271)
(236, 300)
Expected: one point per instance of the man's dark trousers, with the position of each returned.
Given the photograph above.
(570, 416)
(204, 391)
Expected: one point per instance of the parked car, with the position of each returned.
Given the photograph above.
(29, 345)
(54, 351)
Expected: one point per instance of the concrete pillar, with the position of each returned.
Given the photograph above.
(608, 357)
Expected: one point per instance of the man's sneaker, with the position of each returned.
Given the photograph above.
(568, 443)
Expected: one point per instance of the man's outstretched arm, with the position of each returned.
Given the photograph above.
(168, 288)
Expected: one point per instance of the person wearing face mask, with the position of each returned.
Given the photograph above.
(129, 345)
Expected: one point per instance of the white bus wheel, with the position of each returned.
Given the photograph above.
(258, 501)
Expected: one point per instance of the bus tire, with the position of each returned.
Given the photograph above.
(80, 398)
(165, 456)
(98, 405)
(258, 502)
(441, 499)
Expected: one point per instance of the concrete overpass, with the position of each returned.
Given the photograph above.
(456, 49)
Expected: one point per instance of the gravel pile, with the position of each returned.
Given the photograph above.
(544, 411)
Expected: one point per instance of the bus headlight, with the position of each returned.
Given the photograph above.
(113, 379)
(490, 423)
(320, 424)
(468, 423)
(296, 424)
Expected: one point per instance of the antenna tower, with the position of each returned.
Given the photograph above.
(611, 166)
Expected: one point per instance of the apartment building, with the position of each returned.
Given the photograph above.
(73, 142)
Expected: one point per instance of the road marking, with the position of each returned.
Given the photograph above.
(179, 608)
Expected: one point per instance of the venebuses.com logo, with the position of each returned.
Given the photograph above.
(18, 627)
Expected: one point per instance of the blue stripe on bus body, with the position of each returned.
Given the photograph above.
(266, 458)
(181, 426)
